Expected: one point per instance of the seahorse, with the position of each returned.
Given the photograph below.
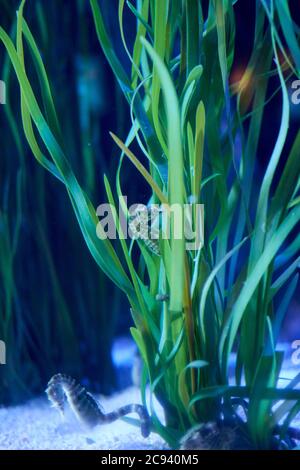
(144, 225)
(62, 388)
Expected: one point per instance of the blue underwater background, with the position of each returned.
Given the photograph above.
(58, 312)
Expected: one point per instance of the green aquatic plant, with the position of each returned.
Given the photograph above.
(48, 297)
(197, 134)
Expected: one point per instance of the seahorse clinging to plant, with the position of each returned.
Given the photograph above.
(62, 387)
(144, 225)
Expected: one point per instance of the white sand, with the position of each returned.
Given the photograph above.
(37, 426)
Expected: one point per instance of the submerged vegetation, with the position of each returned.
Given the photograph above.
(51, 292)
(196, 134)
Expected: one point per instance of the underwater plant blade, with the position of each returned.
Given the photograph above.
(102, 250)
(176, 185)
(232, 324)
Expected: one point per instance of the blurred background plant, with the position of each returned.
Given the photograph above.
(200, 118)
(51, 292)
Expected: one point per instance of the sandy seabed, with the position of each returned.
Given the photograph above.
(36, 425)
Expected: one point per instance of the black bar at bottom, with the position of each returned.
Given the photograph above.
(134, 459)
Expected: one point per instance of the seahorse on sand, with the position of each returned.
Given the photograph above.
(62, 388)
